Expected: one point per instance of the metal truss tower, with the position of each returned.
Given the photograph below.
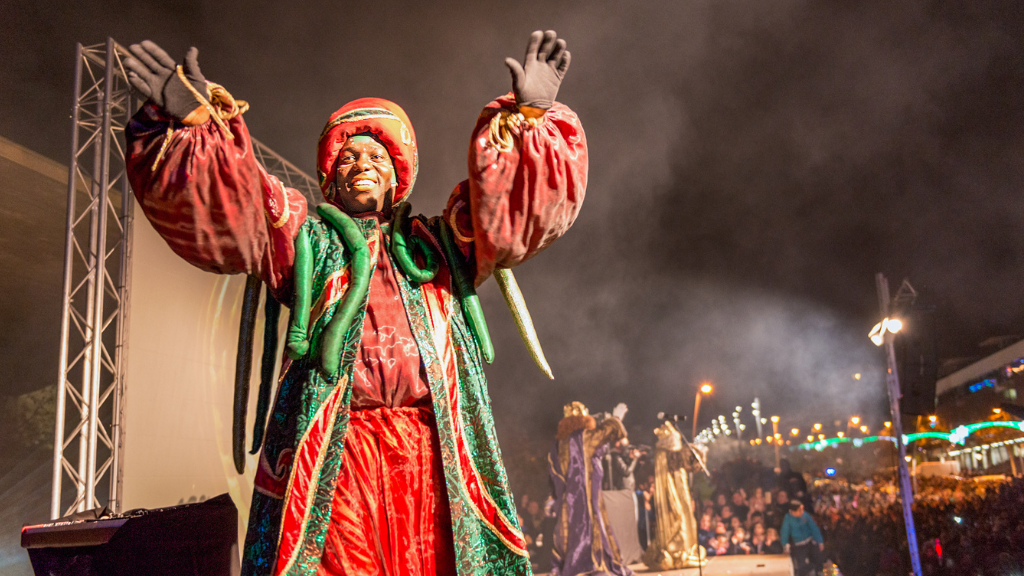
(97, 282)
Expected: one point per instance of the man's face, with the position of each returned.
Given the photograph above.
(365, 177)
(726, 512)
(798, 512)
(737, 498)
(533, 508)
(783, 497)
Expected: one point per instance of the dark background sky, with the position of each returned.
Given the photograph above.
(753, 164)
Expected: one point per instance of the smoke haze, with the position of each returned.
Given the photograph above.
(753, 164)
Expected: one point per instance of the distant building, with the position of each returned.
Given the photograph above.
(981, 391)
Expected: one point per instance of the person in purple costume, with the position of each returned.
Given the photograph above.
(583, 541)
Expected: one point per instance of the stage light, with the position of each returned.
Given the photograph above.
(821, 436)
(764, 420)
(770, 439)
(997, 410)
(907, 458)
(957, 519)
(739, 409)
(830, 471)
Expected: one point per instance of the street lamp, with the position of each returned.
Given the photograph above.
(775, 432)
(817, 427)
(855, 420)
(904, 298)
(794, 432)
(705, 388)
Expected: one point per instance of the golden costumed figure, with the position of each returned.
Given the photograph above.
(675, 532)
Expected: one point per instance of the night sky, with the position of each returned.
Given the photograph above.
(753, 165)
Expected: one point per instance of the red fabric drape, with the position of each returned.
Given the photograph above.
(390, 514)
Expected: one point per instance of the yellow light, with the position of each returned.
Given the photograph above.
(997, 410)
(810, 438)
(856, 376)
(864, 429)
(840, 434)
(778, 436)
(795, 431)
(775, 418)
(770, 439)
(817, 427)
(706, 388)
(855, 420)
(888, 424)
(759, 441)
(876, 335)
(932, 418)
(821, 436)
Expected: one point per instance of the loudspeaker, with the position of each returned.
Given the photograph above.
(916, 361)
(189, 540)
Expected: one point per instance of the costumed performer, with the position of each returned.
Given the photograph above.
(379, 455)
(583, 540)
(675, 542)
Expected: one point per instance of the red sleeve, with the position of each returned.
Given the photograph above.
(211, 200)
(516, 203)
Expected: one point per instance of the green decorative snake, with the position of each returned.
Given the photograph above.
(401, 250)
(467, 294)
(359, 282)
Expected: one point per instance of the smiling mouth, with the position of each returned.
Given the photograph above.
(363, 184)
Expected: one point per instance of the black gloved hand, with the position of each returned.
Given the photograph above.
(536, 81)
(152, 72)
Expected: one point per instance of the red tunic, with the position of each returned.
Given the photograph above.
(218, 208)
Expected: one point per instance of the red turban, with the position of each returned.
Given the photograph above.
(385, 120)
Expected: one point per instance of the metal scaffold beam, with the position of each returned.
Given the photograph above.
(97, 263)
(88, 433)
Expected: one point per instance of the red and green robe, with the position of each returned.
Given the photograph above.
(393, 467)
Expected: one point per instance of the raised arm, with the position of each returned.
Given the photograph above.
(191, 164)
(527, 166)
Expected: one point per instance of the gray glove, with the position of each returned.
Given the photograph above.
(152, 72)
(536, 81)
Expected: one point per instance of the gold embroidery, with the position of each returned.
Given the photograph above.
(285, 209)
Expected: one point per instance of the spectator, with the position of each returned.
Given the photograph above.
(739, 505)
(726, 514)
(803, 540)
(720, 502)
(738, 542)
(772, 545)
(792, 482)
(704, 533)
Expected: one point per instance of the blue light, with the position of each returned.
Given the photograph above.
(830, 471)
(986, 383)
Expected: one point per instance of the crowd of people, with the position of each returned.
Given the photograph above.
(964, 526)
(772, 517)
